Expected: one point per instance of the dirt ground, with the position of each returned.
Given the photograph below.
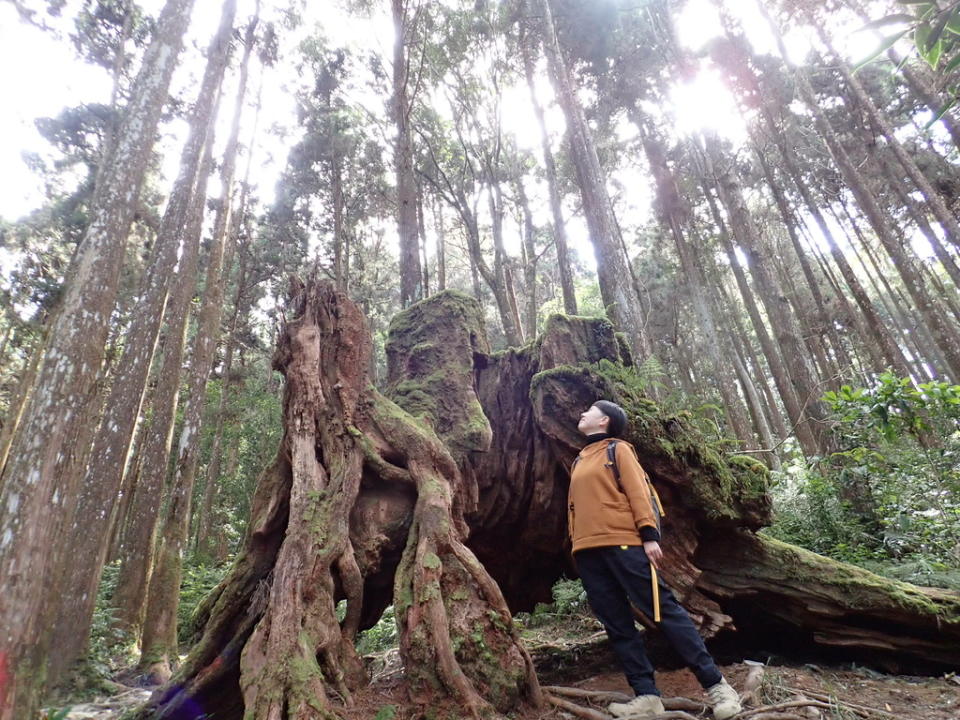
(893, 696)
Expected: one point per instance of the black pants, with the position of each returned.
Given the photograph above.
(615, 577)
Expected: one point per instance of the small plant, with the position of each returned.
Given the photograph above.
(387, 712)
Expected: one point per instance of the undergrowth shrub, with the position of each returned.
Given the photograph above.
(889, 497)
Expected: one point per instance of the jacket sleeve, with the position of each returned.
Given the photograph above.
(635, 487)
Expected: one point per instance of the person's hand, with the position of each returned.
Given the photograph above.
(654, 552)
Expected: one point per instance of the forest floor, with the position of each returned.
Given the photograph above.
(578, 657)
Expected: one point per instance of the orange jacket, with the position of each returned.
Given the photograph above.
(599, 514)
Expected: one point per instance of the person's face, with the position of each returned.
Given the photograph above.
(593, 421)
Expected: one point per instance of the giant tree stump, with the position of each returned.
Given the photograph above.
(446, 498)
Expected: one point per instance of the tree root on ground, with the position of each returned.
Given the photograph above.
(680, 708)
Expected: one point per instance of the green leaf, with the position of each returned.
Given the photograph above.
(895, 19)
(885, 44)
(952, 65)
(953, 24)
(937, 31)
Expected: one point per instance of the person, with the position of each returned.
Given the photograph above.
(614, 527)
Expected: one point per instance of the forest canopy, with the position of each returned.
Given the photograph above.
(740, 218)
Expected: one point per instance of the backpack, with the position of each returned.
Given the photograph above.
(612, 464)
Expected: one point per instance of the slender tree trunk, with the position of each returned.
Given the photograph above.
(944, 216)
(139, 539)
(883, 349)
(159, 641)
(556, 208)
(918, 216)
(411, 279)
(744, 347)
(824, 316)
(673, 215)
(501, 281)
(808, 415)
(18, 403)
(441, 246)
(35, 507)
(612, 272)
(946, 336)
(530, 260)
(89, 533)
(914, 335)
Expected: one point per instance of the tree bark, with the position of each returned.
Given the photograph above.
(34, 510)
(90, 528)
(411, 279)
(673, 215)
(140, 535)
(159, 640)
(788, 394)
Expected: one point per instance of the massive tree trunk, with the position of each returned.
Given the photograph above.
(35, 503)
(449, 503)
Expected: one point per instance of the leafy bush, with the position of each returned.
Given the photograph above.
(892, 489)
(381, 636)
(195, 584)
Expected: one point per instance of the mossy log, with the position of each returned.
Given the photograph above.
(446, 497)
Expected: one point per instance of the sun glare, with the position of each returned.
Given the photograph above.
(705, 103)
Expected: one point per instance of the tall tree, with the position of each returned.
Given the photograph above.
(159, 640)
(90, 529)
(35, 503)
(405, 73)
(618, 295)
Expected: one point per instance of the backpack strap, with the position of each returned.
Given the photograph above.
(612, 464)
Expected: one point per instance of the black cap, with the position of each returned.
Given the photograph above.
(618, 418)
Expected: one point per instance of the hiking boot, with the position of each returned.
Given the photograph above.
(724, 700)
(642, 706)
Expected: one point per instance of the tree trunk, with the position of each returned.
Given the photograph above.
(673, 215)
(90, 529)
(946, 336)
(502, 284)
(808, 441)
(139, 538)
(527, 50)
(947, 220)
(34, 511)
(368, 504)
(159, 640)
(411, 279)
(19, 402)
(441, 245)
(529, 262)
(205, 522)
(801, 376)
(612, 272)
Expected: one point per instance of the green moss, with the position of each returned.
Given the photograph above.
(431, 561)
(858, 587)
